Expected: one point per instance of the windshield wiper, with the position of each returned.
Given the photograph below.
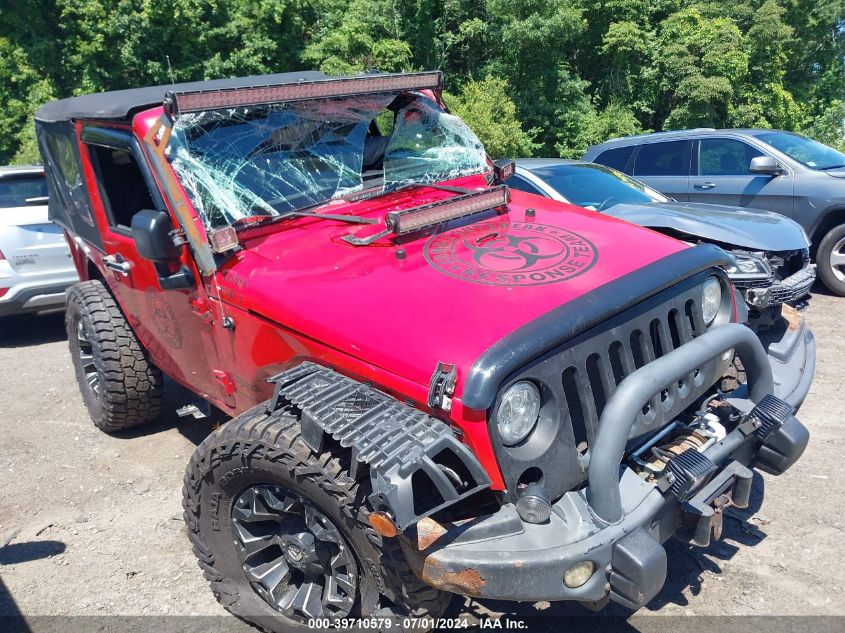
(305, 212)
(349, 219)
(402, 187)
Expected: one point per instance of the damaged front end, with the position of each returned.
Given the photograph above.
(772, 291)
(633, 443)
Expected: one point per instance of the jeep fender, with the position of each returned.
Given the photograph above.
(417, 466)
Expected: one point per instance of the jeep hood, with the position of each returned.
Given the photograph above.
(446, 296)
(738, 226)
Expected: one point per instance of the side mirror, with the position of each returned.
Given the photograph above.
(151, 232)
(153, 241)
(765, 165)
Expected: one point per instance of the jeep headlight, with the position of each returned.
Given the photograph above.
(517, 412)
(711, 299)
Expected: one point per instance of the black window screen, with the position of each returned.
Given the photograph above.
(69, 205)
(671, 158)
(121, 184)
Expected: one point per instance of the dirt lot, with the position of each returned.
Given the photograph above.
(92, 523)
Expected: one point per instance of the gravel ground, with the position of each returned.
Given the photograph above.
(92, 523)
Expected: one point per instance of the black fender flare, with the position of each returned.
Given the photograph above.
(410, 454)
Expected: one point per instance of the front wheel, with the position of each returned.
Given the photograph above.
(830, 260)
(282, 533)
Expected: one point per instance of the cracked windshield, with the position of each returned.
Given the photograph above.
(271, 160)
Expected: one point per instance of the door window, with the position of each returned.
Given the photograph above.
(670, 158)
(725, 157)
(121, 184)
(520, 184)
(616, 158)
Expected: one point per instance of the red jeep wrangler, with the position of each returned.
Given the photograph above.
(439, 385)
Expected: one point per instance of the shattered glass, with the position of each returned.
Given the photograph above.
(429, 146)
(268, 160)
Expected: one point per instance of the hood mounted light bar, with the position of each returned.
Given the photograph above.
(176, 103)
(417, 218)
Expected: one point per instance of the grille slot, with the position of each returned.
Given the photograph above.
(598, 369)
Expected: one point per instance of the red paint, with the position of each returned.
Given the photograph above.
(297, 291)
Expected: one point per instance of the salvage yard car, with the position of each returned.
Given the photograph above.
(771, 270)
(35, 264)
(438, 385)
(775, 170)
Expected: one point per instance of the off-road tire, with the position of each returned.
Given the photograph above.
(260, 449)
(129, 386)
(823, 265)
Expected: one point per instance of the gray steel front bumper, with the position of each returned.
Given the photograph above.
(618, 521)
(792, 356)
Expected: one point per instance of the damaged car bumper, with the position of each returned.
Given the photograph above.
(604, 541)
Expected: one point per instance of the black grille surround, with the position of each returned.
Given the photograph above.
(577, 377)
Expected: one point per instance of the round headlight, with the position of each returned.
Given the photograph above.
(711, 300)
(517, 412)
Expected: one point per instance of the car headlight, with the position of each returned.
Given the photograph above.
(517, 412)
(711, 300)
(748, 264)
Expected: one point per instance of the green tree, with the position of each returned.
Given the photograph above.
(487, 109)
(574, 70)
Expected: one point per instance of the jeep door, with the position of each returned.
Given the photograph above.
(721, 176)
(172, 324)
(665, 166)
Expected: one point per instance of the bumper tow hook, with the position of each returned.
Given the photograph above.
(720, 504)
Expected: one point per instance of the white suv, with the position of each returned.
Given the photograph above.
(35, 263)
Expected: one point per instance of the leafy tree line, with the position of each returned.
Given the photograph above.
(532, 77)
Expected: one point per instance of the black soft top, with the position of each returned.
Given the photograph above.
(119, 104)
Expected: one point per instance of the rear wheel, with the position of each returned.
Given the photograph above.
(120, 385)
(282, 533)
(830, 260)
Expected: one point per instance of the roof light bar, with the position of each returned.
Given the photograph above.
(403, 222)
(179, 102)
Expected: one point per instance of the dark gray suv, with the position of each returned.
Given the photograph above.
(768, 169)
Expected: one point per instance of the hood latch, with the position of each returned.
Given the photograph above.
(442, 386)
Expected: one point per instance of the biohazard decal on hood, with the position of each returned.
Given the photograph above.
(511, 253)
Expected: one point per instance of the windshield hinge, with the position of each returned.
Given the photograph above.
(178, 236)
(442, 386)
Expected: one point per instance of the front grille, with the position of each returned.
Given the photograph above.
(591, 370)
(578, 378)
(789, 290)
(791, 280)
(794, 287)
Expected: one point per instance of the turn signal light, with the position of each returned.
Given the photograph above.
(383, 524)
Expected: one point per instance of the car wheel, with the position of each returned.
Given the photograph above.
(282, 534)
(830, 260)
(120, 385)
